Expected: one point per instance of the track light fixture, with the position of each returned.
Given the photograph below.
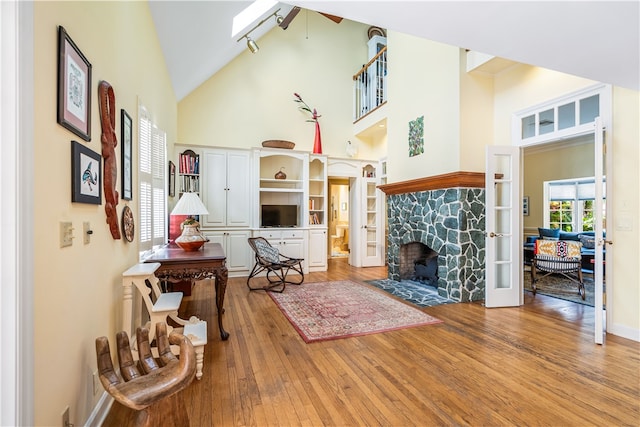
(251, 43)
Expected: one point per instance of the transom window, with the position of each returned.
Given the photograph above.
(569, 115)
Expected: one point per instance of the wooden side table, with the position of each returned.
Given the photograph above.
(209, 262)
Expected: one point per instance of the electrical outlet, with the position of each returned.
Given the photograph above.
(65, 418)
(96, 383)
(66, 234)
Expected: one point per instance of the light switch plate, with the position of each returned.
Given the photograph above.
(66, 234)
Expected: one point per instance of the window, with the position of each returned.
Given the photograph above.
(570, 204)
(151, 176)
(566, 116)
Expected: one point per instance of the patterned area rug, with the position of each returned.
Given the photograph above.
(331, 310)
(557, 286)
(414, 292)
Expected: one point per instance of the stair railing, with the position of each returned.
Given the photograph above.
(370, 86)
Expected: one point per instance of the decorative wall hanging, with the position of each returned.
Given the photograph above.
(128, 227)
(109, 142)
(317, 142)
(525, 206)
(126, 141)
(85, 175)
(416, 136)
(74, 87)
(172, 179)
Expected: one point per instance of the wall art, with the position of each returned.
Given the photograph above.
(416, 136)
(172, 179)
(126, 142)
(74, 87)
(86, 176)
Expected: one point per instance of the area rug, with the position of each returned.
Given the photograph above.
(557, 286)
(414, 292)
(332, 310)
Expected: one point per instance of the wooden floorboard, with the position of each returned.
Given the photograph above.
(531, 365)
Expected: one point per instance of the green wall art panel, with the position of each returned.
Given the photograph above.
(416, 136)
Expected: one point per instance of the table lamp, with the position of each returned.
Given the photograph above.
(191, 239)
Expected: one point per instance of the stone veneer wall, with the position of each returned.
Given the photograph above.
(451, 222)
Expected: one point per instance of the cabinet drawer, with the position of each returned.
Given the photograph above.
(269, 234)
(292, 234)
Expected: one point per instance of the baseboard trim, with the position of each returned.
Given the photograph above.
(624, 332)
(101, 410)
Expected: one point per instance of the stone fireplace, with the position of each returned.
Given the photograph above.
(446, 215)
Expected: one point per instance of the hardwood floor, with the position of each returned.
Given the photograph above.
(530, 365)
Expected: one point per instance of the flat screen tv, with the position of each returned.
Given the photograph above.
(279, 216)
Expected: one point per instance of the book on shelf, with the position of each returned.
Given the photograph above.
(314, 219)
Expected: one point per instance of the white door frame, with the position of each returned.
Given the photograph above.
(604, 121)
(16, 215)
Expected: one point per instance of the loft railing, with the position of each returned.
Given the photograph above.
(370, 85)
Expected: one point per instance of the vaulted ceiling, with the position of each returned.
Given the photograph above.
(598, 40)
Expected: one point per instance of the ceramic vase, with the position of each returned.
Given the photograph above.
(317, 144)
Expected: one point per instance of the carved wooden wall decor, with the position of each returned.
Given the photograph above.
(109, 143)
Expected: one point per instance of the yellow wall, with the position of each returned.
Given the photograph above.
(522, 86)
(423, 81)
(78, 293)
(547, 164)
(251, 99)
(625, 205)
(476, 117)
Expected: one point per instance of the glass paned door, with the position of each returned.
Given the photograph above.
(503, 207)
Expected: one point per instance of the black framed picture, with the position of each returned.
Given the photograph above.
(86, 175)
(172, 179)
(74, 87)
(126, 142)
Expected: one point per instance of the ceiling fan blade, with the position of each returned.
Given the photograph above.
(334, 18)
(287, 19)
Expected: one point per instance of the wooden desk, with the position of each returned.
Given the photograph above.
(207, 263)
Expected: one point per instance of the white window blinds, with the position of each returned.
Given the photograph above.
(584, 189)
(151, 175)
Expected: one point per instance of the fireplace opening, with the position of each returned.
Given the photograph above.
(419, 262)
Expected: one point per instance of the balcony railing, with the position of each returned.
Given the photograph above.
(370, 86)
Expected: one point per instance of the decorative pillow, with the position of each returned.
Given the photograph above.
(549, 233)
(588, 242)
(268, 252)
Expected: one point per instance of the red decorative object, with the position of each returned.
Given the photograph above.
(317, 144)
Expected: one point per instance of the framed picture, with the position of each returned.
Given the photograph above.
(74, 87)
(525, 206)
(172, 179)
(126, 142)
(86, 175)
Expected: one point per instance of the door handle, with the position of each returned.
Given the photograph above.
(492, 234)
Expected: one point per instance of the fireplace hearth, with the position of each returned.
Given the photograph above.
(450, 222)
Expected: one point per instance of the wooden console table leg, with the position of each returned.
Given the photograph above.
(221, 288)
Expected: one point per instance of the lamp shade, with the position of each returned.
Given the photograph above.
(189, 204)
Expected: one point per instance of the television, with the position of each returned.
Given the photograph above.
(279, 216)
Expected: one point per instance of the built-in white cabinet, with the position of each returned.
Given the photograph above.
(318, 240)
(371, 219)
(291, 242)
(226, 188)
(236, 248)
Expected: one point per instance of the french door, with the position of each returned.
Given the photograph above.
(598, 268)
(502, 235)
